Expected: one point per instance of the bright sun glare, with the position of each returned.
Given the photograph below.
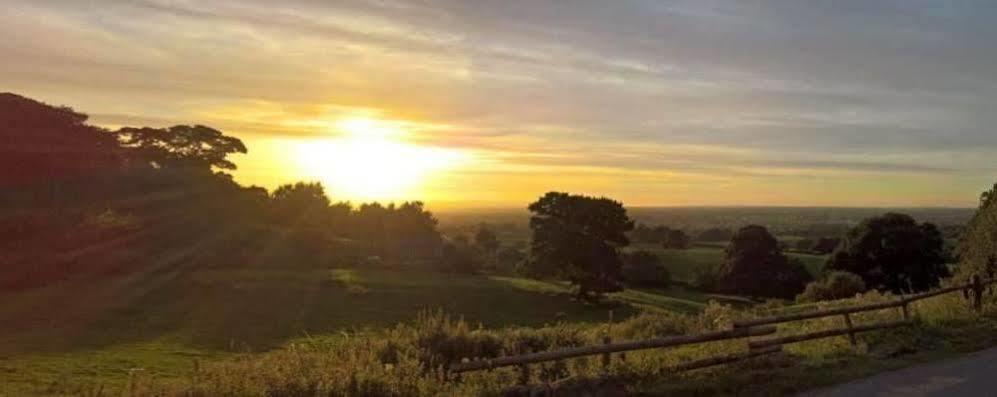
(372, 161)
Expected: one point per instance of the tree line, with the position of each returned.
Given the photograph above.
(63, 178)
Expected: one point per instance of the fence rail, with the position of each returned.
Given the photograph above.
(741, 329)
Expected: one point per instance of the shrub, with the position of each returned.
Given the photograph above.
(835, 285)
(756, 266)
(893, 253)
(644, 268)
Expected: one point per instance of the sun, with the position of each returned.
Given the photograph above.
(370, 160)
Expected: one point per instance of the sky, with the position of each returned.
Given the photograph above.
(492, 103)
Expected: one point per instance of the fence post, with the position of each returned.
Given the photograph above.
(606, 339)
(524, 374)
(906, 310)
(977, 293)
(851, 332)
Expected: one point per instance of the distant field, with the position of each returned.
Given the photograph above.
(789, 223)
(161, 323)
(683, 263)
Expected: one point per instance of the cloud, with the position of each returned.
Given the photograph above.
(772, 88)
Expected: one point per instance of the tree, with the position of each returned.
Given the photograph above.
(486, 239)
(675, 239)
(893, 253)
(459, 256)
(834, 285)
(755, 266)
(977, 249)
(509, 258)
(644, 268)
(188, 147)
(652, 235)
(40, 143)
(300, 202)
(715, 235)
(804, 244)
(826, 245)
(579, 237)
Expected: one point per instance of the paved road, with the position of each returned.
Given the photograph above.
(971, 375)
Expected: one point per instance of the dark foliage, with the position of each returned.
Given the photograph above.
(755, 266)
(977, 249)
(804, 244)
(42, 144)
(834, 285)
(578, 238)
(715, 235)
(825, 245)
(181, 146)
(675, 239)
(154, 193)
(486, 239)
(649, 235)
(644, 268)
(894, 253)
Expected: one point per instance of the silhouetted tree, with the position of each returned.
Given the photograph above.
(300, 202)
(834, 285)
(893, 252)
(182, 146)
(804, 244)
(715, 235)
(826, 245)
(644, 268)
(755, 266)
(509, 258)
(459, 256)
(43, 147)
(579, 237)
(675, 239)
(486, 239)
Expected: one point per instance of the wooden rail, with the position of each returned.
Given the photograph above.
(741, 329)
(610, 348)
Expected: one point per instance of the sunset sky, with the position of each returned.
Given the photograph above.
(492, 103)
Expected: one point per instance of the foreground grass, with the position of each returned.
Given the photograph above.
(405, 360)
(105, 331)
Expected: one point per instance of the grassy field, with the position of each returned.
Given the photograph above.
(160, 323)
(683, 263)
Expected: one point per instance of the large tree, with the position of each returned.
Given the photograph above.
(675, 239)
(755, 266)
(893, 253)
(41, 144)
(189, 147)
(579, 237)
(977, 248)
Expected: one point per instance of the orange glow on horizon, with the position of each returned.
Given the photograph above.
(370, 160)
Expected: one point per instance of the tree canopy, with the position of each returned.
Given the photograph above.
(977, 249)
(43, 143)
(578, 237)
(892, 252)
(182, 146)
(755, 266)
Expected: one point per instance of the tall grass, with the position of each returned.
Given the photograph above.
(410, 359)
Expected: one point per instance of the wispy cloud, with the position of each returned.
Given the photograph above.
(682, 94)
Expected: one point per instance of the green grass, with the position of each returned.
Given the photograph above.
(160, 322)
(683, 263)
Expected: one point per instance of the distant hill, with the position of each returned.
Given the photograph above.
(780, 220)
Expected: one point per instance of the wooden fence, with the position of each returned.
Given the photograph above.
(741, 329)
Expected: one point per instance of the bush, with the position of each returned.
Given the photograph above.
(644, 268)
(835, 285)
(755, 266)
